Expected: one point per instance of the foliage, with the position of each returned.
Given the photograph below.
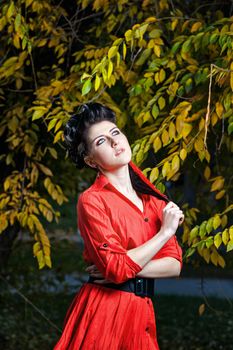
(164, 67)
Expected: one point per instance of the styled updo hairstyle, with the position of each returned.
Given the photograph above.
(76, 129)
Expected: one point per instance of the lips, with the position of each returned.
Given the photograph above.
(119, 151)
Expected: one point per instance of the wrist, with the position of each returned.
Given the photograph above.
(165, 233)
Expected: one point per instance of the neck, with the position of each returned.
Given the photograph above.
(120, 179)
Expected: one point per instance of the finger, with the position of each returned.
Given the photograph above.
(96, 274)
(90, 268)
(104, 281)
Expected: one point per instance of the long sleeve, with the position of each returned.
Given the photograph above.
(101, 241)
(171, 248)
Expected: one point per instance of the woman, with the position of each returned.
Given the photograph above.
(128, 228)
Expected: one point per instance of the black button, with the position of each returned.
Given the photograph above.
(105, 245)
(146, 219)
(147, 329)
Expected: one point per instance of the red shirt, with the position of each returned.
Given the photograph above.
(110, 224)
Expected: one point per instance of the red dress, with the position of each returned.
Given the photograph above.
(101, 318)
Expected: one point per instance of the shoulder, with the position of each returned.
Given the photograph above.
(91, 198)
(158, 203)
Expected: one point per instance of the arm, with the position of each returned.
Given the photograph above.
(164, 243)
(160, 268)
(102, 243)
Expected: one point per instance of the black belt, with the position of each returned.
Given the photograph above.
(143, 287)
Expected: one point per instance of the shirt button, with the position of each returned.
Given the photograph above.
(146, 219)
(147, 329)
(105, 245)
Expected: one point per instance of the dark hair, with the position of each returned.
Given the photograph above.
(77, 127)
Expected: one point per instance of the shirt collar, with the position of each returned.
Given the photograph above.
(102, 181)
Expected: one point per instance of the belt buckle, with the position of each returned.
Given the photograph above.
(140, 287)
(144, 287)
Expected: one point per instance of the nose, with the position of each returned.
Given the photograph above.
(114, 142)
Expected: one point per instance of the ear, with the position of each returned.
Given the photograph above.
(90, 162)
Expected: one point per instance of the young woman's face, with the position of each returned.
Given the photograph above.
(108, 147)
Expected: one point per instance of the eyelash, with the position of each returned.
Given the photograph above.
(114, 133)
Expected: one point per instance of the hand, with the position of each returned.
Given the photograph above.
(172, 217)
(94, 272)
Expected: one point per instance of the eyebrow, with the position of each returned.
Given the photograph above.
(115, 127)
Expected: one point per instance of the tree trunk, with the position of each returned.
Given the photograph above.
(7, 238)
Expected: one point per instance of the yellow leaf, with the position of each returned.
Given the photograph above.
(154, 174)
(174, 24)
(183, 154)
(58, 136)
(231, 232)
(196, 26)
(175, 163)
(231, 77)
(201, 309)
(225, 236)
(157, 50)
(41, 42)
(214, 118)
(162, 75)
(124, 50)
(112, 51)
(38, 113)
(224, 220)
(36, 248)
(172, 130)
(161, 103)
(128, 35)
(216, 221)
(199, 145)
(173, 88)
(40, 259)
(97, 82)
(179, 124)
(219, 109)
(221, 261)
(214, 258)
(187, 128)
(166, 169)
(230, 246)
(220, 194)
(217, 240)
(48, 261)
(6, 184)
(51, 124)
(165, 137)
(45, 170)
(207, 172)
(206, 255)
(157, 144)
(217, 184)
(11, 10)
(110, 68)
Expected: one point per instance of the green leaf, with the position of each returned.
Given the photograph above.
(186, 46)
(143, 57)
(230, 128)
(17, 21)
(230, 246)
(86, 87)
(175, 47)
(155, 111)
(202, 232)
(194, 233)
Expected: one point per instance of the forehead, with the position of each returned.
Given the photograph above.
(100, 128)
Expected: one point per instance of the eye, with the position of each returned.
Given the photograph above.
(116, 132)
(100, 141)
